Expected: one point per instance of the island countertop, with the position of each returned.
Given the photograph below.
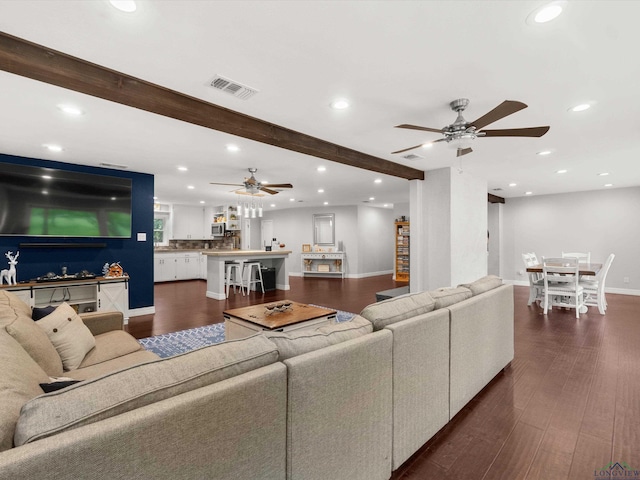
(226, 253)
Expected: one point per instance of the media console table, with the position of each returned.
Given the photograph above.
(323, 263)
(87, 295)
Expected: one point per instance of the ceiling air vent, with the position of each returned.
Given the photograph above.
(113, 165)
(411, 156)
(234, 88)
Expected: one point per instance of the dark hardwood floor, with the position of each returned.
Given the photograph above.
(568, 404)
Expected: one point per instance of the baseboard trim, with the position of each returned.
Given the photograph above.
(135, 312)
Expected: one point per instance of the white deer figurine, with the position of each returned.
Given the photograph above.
(10, 274)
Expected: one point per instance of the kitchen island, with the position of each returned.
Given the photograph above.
(215, 267)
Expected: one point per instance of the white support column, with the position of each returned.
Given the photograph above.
(448, 214)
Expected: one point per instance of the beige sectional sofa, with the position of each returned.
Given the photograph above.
(348, 401)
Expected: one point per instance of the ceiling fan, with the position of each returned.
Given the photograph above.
(254, 187)
(461, 132)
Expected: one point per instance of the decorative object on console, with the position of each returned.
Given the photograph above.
(10, 273)
(306, 248)
(113, 270)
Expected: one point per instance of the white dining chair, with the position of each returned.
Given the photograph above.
(561, 284)
(582, 257)
(594, 289)
(536, 282)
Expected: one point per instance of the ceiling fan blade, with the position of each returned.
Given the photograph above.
(244, 192)
(504, 109)
(279, 185)
(407, 149)
(417, 127)
(463, 151)
(517, 132)
(230, 184)
(268, 190)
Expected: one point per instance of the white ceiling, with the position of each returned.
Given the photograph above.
(395, 61)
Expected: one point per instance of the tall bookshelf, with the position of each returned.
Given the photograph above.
(402, 251)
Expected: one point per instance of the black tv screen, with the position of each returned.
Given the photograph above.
(49, 202)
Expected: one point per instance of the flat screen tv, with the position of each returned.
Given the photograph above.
(49, 202)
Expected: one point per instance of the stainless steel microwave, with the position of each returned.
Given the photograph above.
(217, 229)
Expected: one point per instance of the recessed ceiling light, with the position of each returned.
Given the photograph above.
(513, 184)
(292, 199)
(321, 190)
(52, 148)
(427, 145)
(70, 110)
(202, 201)
(548, 12)
(608, 184)
(561, 171)
(128, 6)
(581, 108)
(377, 180)
(603, 174)
(528, 193)
(183, 169)
(386, 205)
(190, 187)
(326, 203)
(544, 152)
(372, 198)
(272, 205)
(233, 148)
(322, 169)
(340, 104)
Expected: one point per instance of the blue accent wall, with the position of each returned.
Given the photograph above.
(135, 257)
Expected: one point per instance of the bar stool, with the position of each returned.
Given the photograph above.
(233, 277)
(249, 274)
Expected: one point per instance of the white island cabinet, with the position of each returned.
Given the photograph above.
(171, 266)
(216, 266)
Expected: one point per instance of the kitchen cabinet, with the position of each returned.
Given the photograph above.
(168, 267)
(188, 223)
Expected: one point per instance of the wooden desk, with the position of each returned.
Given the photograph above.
(590, 269)
(245, 321)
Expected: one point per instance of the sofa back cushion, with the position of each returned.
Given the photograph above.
(112, 394)
(483, 284)
(18, 323)
(303, 341)
(20, 377)
(447, 296)
(395, 309)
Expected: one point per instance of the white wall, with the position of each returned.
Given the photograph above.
(494, 227)
(602, 222)
(365, 234)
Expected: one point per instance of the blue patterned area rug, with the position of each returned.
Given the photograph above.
(175, 343)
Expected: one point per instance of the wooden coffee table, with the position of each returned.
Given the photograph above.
(280, 316)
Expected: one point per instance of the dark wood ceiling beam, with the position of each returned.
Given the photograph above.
(40, 63)
(495, 199)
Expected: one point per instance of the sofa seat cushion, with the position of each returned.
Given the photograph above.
(307, 340)
(447, 296)
(125, 390)
(395, 309)
(69, 335)
(110, 345)
(20, 377)
(483, 284)
(34, 340)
